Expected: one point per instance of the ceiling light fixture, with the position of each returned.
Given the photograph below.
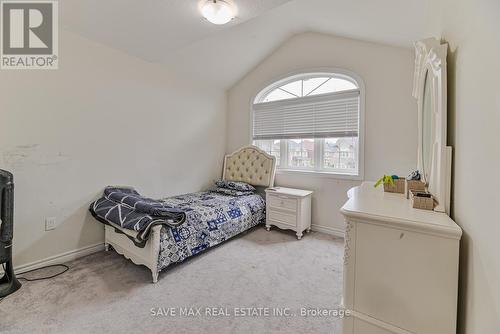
(217, 11)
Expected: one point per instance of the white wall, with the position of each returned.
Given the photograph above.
(472, 30)
(103, 118)
(391, 116)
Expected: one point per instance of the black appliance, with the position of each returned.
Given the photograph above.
(8, 283)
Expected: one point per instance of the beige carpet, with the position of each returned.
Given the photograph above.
(105, 293)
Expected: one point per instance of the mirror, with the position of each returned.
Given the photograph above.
(427, 128)
(429, 88)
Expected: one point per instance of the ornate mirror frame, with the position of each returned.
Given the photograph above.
(430, 63)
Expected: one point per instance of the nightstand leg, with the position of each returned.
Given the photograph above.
(299, 235)
(155, 276)
(268, 227)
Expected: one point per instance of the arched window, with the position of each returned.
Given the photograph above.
(311, 122)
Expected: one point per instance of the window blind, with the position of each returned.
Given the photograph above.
(329, 115)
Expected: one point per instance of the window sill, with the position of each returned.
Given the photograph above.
(322, 174)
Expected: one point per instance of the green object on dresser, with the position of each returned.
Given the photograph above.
(386, 179)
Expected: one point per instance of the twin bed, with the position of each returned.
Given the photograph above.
(211, 217)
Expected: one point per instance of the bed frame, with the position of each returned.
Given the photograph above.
(248, 164)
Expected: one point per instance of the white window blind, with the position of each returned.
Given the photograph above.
(328, 115)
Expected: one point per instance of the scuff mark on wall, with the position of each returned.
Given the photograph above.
(18, 155)
(52, 159)
(30, 154)
(29, 146)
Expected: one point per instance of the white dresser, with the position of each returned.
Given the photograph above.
(289, 208)
(400, 266)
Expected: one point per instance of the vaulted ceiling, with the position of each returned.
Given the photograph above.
(173, 32)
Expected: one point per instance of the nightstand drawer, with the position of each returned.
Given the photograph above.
(282, 202)
(280, 216)
(288, 208)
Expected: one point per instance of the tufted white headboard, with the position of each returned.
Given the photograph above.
(251, 165)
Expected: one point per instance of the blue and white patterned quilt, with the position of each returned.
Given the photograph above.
(211, 218)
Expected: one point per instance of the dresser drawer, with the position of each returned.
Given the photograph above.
(282, 217)
(282, 202)
(398, 272)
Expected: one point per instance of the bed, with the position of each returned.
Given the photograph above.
(211, 218)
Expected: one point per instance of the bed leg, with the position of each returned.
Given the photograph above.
(106, 247)
(155, 276)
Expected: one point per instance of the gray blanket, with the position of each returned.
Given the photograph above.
(126, 208)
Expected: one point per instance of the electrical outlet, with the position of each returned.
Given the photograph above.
(50, 223)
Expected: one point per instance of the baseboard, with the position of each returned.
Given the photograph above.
(60, 258)
(84, 251)
(328, 230)
(87, 250)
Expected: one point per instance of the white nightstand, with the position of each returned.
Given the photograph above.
(289, 208)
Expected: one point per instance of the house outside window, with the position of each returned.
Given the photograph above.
(312, 122)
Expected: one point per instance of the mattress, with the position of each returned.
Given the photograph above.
(211, 218)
